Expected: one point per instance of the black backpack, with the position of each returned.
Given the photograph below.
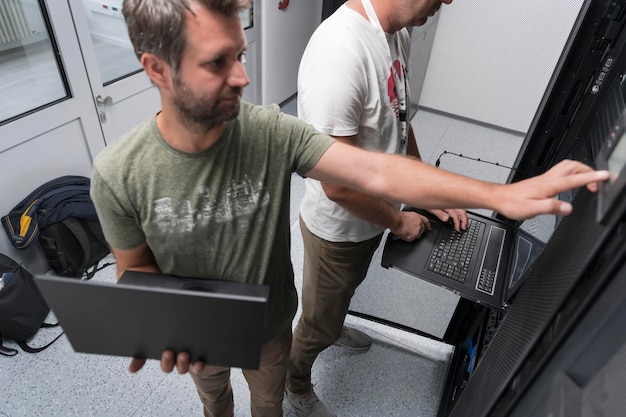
(57, 199)
(74, 247)
(22, 308)
(62, 218)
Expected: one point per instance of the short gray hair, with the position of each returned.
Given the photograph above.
(159, 26)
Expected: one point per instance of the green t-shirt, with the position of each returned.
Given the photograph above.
(222, 213)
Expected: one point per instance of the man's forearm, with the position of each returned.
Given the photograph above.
(418, 184)
(367, 207)
(137, 259)
(406, 180)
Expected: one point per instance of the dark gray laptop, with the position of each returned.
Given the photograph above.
(218, 322)
(484, 264)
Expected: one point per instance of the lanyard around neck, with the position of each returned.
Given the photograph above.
(373, 18)
(402, 96)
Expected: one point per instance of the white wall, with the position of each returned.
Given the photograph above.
(285, 34)
(422, 38)
(492, 60)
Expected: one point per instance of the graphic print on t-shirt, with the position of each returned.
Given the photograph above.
(393, 82)
(236, 201)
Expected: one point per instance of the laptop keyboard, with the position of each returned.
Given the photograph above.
(452, 257)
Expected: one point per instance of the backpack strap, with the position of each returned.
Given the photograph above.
(96, 268)
(7, 351)
(29, 349)
(96, 230)
(75, 227)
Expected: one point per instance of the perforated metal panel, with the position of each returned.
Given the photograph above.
(550, 281)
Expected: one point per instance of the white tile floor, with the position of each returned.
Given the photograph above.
(401, 375)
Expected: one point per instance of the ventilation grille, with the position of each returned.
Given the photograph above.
(548, 284)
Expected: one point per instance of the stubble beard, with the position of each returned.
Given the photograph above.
(200, 114)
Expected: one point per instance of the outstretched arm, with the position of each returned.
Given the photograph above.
(405, 180)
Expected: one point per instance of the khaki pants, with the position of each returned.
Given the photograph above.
(331, 273)
(267, 384)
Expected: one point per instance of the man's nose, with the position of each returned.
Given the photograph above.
(238, 76)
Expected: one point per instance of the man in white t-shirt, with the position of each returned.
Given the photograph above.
(353, 86)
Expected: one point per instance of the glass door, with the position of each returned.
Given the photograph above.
(122, 93)
(32, 76)
(44, 88)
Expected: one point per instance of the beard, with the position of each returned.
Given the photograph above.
(200, 113)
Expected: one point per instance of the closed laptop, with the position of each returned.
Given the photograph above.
(218, 322)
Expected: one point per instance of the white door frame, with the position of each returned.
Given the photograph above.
(78, 106)
(132, 99)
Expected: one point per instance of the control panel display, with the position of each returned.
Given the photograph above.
(612, 157)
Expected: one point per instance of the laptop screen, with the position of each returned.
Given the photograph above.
(530, 239)
(526, 248)
(540, 227)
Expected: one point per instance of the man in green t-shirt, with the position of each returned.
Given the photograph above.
(202, 188)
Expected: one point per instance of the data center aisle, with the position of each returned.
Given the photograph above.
(402, 374)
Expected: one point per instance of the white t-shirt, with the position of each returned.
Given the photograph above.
(347, 85)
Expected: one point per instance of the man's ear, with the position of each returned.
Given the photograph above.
(157, 70)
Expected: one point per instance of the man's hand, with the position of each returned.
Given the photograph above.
(457, 216)
(412, 226)
(534, 196)
(169, 360)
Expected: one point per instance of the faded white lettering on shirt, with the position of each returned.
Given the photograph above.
(236, 201)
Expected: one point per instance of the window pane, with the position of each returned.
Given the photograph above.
(114, 52)
(30, 75)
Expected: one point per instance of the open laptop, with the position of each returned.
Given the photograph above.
(218, 322)
(490, 269)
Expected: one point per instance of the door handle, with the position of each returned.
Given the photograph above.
(104, 102)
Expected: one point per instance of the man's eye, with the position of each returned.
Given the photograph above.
(217, 63)
(242, 57)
